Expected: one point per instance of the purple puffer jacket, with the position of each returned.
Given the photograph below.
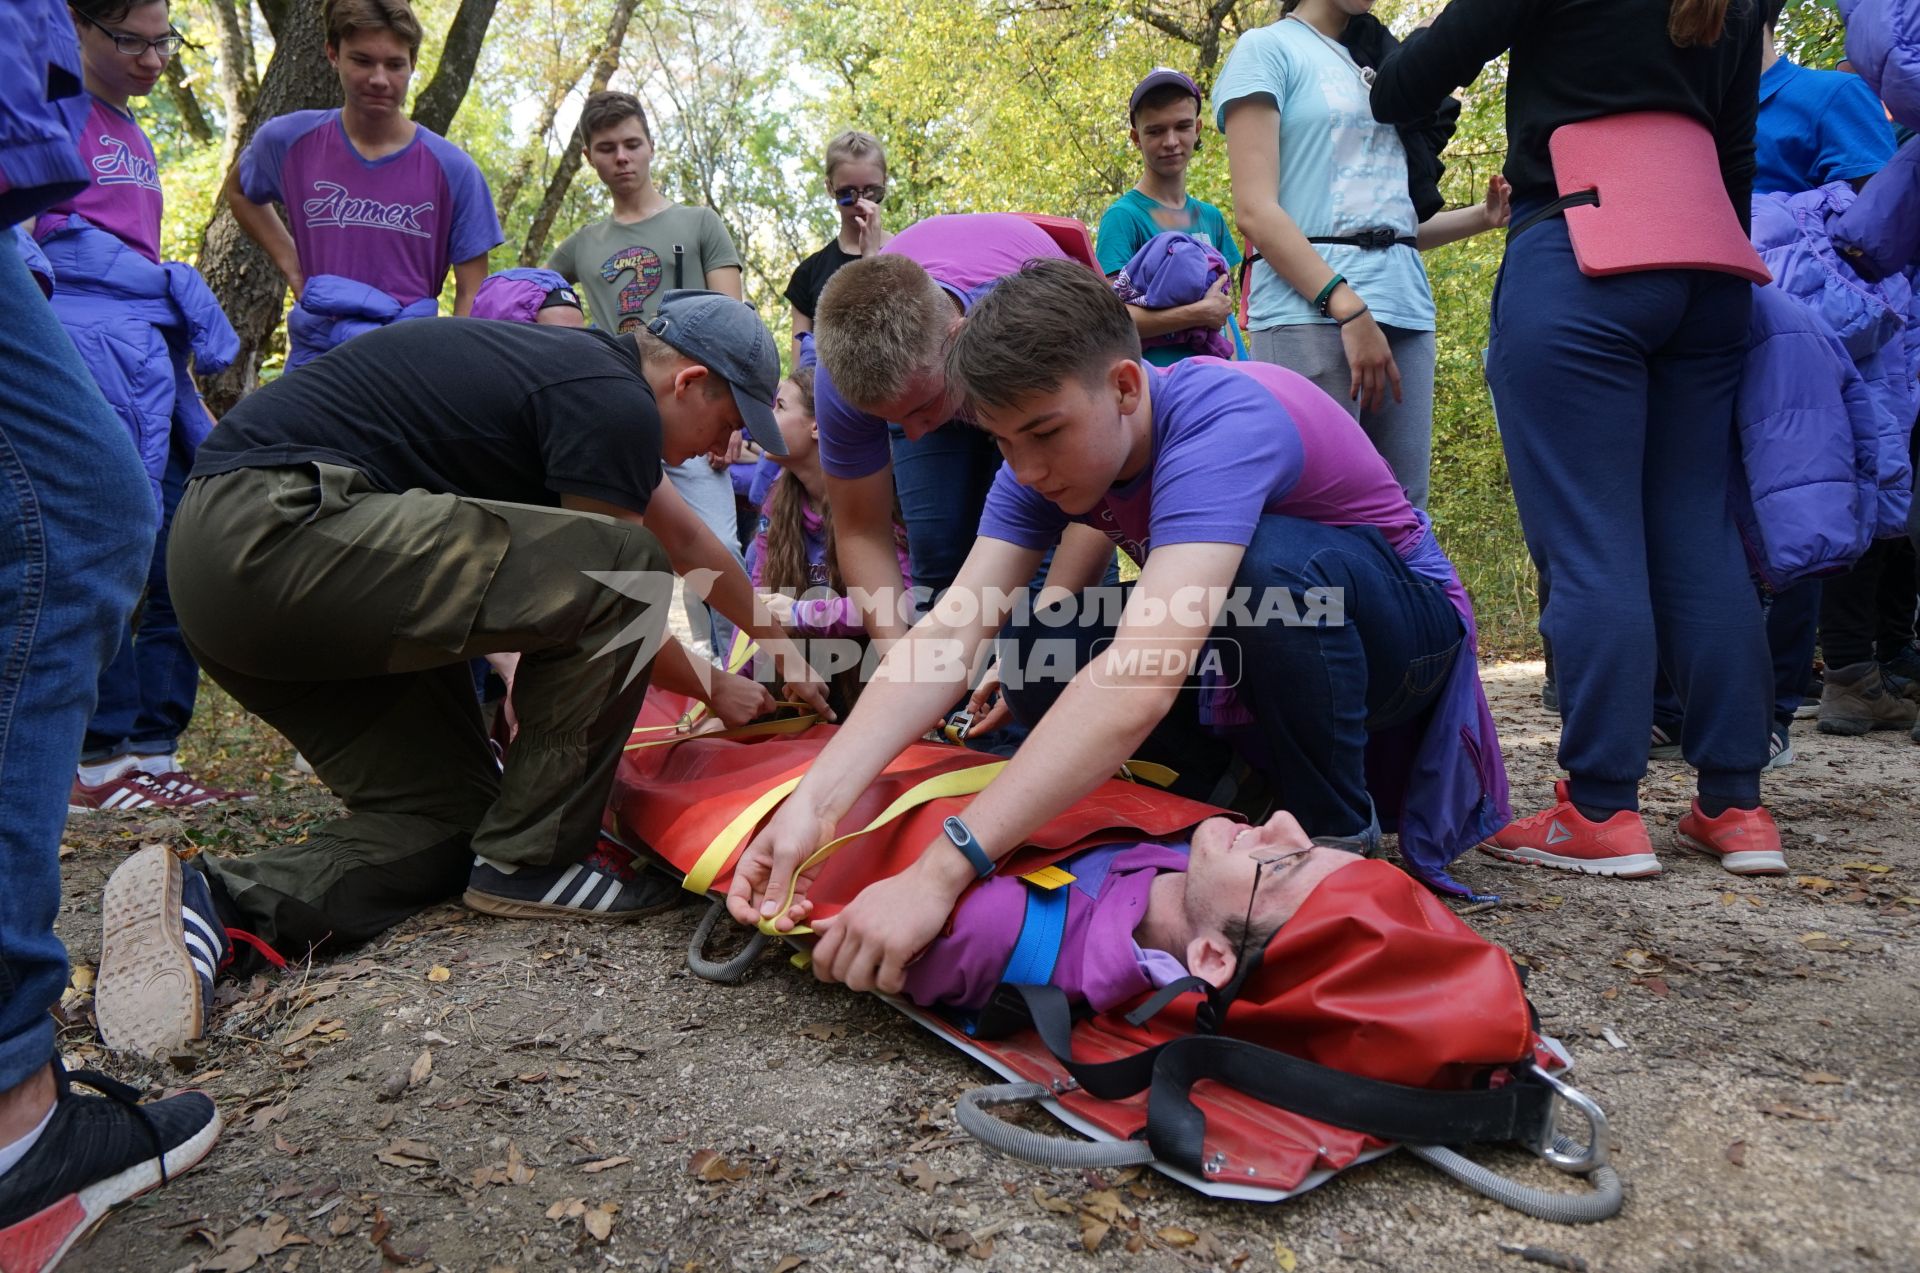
(1874, 322)
(137, 326)
(516, 295)
(1880, 233)
(42, 108)
(332, 310)
(1173, 268)
(1883, 45)
(1806, 491)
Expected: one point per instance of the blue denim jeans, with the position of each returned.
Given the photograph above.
(76, 535)
(942, 481)
(1316, 687)
(147, 692)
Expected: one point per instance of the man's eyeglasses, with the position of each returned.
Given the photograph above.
(1260, 864)
(847, 196)
(137, 45)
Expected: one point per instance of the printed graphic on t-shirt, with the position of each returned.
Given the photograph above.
(335, 205)
(1369, 165)
(119, 164)
(644, 264)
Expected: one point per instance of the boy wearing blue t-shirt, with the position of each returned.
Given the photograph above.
(1163, 119)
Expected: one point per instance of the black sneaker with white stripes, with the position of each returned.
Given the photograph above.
(97, 1152)
(604, 887)
(161, 942)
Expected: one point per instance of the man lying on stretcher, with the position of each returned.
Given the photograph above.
(1138, 916)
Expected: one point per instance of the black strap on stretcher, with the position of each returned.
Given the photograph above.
(1176, 1129)
(1578, 199)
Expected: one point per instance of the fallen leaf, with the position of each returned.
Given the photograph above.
(267, 1116)
(567, 1209)
(318, 1025)
(1814, 883)
(247, 1246)
(823, 1033)
(1737, 1153)
(342, 1223)
(1821, 1076)
(819, 1196)
(287, 1147)
(599, 1221)
(927, 1179)
(1092, 1233)
(420, 1070)
(1173, 1235)
(1059, 1206)
(605, 1164)
(1656, 986)
(1878, 868)
(1106, 1204)
(789, 1264)
(440, 972)
(708, 1165)
(82, 977)
(1284, 1258)
(408, 1153)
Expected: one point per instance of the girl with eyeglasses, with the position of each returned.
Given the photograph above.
(856, 171)
(137, 324)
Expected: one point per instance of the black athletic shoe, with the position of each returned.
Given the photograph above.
(605, 887)
(97, 1152)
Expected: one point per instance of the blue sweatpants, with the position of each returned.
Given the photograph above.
(1614, 401)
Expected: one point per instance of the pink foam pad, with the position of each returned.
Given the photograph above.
(1662, 203)
(1069, 234)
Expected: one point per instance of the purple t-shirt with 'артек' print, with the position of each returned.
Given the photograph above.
(397, 223)
(123, 182)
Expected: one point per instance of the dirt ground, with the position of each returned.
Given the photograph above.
(472, 1094)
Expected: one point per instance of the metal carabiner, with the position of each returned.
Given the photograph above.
(1594, 1154)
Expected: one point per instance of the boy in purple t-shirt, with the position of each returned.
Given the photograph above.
(378, 207)
(1293, 615)
(881, 396)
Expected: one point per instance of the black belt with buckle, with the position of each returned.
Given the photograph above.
(1373, 240)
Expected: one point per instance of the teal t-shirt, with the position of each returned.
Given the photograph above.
(1133, 218)
(1341, 171)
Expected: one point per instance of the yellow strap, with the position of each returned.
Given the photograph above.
(1148, 771)
(959, 782)
(700, 878)
(744, 648)
(806, 720)
(1049, 878)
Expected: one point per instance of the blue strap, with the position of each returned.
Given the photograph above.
(1042, 930)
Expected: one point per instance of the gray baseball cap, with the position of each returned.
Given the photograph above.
(731, 341)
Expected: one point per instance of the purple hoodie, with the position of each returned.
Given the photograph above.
(1099, 964)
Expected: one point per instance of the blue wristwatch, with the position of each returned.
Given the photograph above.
(963, 840)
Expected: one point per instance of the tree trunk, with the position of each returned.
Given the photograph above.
(522, 172)
(239, 82)
(275, 12)
(250, 289)
(192, 117)
(440, 100)
(569, 162)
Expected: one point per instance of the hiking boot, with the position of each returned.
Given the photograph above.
(1856, 699)
(97, 1152)
(1779, 747)
(1905, 664)
(161, 943)
(1898, 685)
(188, 790)
(1746, 841)
(129, 792)
(1564, 838)
(1665, 742)
(605, 887)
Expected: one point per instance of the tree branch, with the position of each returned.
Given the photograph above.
(604, 64)
(440, 100)
(192, 116)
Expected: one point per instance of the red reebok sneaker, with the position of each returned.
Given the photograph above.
(1561, 837)
(1746, 841)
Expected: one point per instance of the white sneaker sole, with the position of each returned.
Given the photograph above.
(36, 1244)
(1751, 862)
(146, 995)
(1633, 866)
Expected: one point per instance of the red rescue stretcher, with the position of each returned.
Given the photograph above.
(1375, 1017)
